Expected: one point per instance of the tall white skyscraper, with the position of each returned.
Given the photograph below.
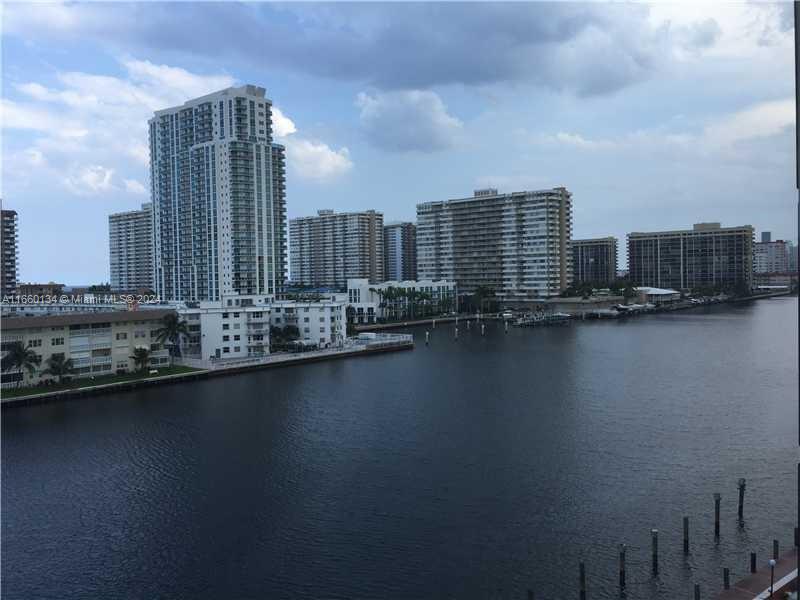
(219, 199)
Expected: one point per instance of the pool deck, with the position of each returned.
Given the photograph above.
(756, 585)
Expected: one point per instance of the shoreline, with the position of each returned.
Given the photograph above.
(577, 317)
(98, 390)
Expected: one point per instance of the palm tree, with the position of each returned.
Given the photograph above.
(59, 366)
(171, 331)
(141, 358)
(20, 358)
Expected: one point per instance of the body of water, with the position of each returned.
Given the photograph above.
(476, 468)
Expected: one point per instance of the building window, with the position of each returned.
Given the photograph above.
(237, 348)
(122, 336)
(225, 327)
(225, 338)
(305, 319)
(35, 343)
(235, 315)
(225, 315)
(226, 350)
(57, 341)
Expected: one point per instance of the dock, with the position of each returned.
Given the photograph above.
(756, 586)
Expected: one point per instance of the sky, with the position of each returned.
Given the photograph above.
(653, 116)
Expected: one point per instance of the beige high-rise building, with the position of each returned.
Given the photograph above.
(330, 248)
(130, 239)
(516, 244)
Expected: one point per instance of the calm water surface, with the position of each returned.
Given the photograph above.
(470, 469)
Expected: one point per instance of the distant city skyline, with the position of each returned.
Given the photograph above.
(654, 117)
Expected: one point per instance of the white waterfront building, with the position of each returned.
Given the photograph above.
(320, 324)
(219, 201)
(237, 328)
(372, 302)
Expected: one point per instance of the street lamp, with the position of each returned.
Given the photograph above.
(771, 576)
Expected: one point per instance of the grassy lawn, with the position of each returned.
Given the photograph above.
(87, 382)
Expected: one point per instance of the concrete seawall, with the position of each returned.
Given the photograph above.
(288, 361)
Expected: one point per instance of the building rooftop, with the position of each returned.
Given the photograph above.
(652, 291)
(17, 323)
(696, 228)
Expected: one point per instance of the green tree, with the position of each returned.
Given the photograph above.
(141, 358)
(20, 358)
(291, 333)
(171, 331)
(58, 366)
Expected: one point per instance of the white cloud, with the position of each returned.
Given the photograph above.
(408, 120)
(734, 139)
(135, 187)
(92, 119)
(281, 124)
(574, 139)
(90, 179)
(316, 160)
(308, 158)
(758, 121)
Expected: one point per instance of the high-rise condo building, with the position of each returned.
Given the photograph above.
(219, 200)
(8, 258)
(594, 261)
(772, 257)
(707, 256)
(400, 251)
(330, 248)
(517, 245)
(130, 237)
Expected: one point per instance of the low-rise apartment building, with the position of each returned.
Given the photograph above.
(97, 343)
(237, 328)
(369, 303)
(320, 324)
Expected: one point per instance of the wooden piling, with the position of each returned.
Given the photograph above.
(726, 578)
(775, 552)
(622, 567)
(654, 536)
(753, 562)
(427, 337)
(717, 498)
(582, 569)
(742, 484)
(696, 591)
(685, 535)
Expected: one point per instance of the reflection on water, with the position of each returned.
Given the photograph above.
(473, 468)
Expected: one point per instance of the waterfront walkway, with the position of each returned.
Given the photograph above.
(756, 585)
(386, 343)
